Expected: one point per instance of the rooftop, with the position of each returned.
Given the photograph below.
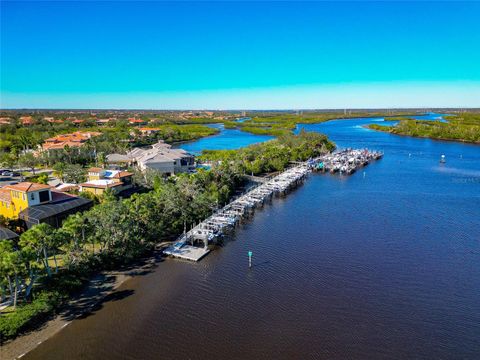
(102, 183)
(7, 234)
(110, 173)
(61, 203)
(26, 187)
(75, 139)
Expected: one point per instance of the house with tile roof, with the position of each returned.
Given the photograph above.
(100, 180)
(136, 122)
(26, 120)
(5, 121)
(73, 140)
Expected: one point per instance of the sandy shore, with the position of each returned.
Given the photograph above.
(97, 289)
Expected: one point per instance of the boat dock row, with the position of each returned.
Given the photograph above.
(193, 245)
(345, 161)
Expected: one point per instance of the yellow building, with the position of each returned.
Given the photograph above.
(100, 180)
(18, 197)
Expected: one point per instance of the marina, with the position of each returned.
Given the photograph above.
(345, 260)
(346, 161)
(193, 245)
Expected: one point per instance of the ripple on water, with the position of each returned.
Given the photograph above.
(381, 266)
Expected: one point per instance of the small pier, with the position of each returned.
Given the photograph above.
(193, 245)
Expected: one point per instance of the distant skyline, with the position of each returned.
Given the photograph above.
(230, 55)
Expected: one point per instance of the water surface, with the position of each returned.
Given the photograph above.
(226, 139)
(384, 264)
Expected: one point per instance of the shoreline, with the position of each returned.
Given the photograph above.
(425, 137)
(93, 294)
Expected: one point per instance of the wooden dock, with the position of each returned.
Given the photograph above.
(224, 220)
(187, 252)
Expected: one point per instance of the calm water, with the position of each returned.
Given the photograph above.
(384, 264)
(225, 140)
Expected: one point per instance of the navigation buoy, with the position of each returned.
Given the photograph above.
(250, 259)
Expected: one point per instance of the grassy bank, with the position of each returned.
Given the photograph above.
(463, 127)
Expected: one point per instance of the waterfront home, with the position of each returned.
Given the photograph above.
(100, 180)
(73, 140)
(34, 203)
(159, 157)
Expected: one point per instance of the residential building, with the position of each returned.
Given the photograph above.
(26, 120)
(147, 131)
(56, 211)
(15, 198)
(52, 120)
(5, 121)
(35, 203)
(161, 157)
(73, 140)
(136, 122)
(100, 180)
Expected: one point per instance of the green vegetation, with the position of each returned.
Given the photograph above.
(273, 155)
(42, 269)
(278, 124)
(112, 233)
(19, 145)
(172, 133)
(462, 127)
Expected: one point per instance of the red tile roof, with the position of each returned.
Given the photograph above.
(122, 174)
(5, 195)
(95, 169)
(27, 186)
(75, 139)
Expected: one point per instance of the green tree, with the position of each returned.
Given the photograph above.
(39, 240)
(74, 173)
(29, 161)
(59, 170)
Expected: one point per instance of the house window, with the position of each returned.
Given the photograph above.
(44, 196)
(32, 196)
(23, 196)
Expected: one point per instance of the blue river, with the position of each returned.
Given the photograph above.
(226, 139)
(383, 264)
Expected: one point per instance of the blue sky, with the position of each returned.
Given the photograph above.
(239, 54)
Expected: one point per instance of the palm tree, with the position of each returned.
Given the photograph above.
(40, 240)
